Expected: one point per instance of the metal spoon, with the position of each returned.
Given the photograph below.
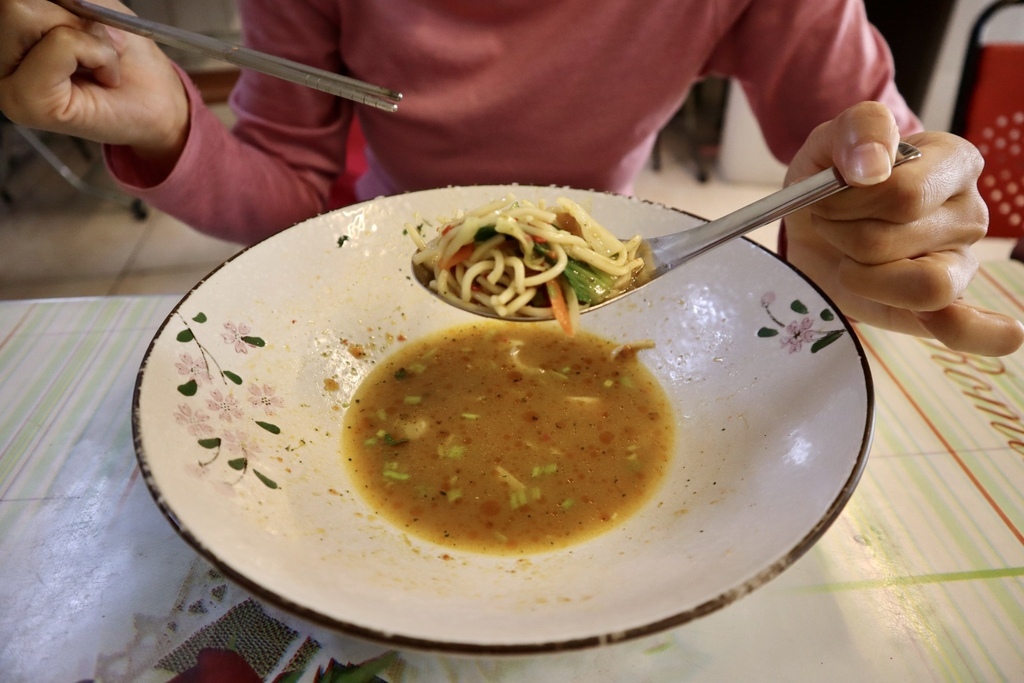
(671, 251)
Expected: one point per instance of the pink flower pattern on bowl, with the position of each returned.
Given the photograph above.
(234, 429)
(802, 330)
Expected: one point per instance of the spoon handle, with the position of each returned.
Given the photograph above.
(771, 208)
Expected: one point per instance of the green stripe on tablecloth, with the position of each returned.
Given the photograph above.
(86, 346)
(955, 529)
(959, 427)
(46, 387)
(15, 342)
(905, 586)
(888, 582)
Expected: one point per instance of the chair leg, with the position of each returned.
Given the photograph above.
(137, 208)
(1018, 251)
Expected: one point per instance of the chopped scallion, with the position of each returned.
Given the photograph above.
(453, 452)
(388, 439)
(517, 498)
(550, 468)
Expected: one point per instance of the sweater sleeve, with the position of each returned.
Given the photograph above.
(801, 64)
(276, 166)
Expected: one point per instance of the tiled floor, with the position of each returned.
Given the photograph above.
(58, 242)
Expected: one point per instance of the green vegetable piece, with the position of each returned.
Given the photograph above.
(485, 233)
(517, 498)
(591, 286)
(392, 441)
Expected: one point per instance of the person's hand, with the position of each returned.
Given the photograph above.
(68, 75)
(895, 250)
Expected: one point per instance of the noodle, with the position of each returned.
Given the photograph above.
(502, 256)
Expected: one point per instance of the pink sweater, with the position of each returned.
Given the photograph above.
(567, 92)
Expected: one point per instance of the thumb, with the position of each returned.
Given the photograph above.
(864, 143)
(866, 163)
(860, 142)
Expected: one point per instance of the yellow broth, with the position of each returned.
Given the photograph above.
(506, 438)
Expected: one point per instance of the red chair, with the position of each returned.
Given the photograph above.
(989, 112)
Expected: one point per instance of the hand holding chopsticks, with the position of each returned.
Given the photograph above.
(318, 79)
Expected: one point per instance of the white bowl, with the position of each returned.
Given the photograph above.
(773, 433)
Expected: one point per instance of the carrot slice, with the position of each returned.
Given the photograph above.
(558, 306)
(460, 255)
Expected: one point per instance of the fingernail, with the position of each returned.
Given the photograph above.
(118, 39)
(869, 164)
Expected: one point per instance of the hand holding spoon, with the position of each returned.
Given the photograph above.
(665, 253)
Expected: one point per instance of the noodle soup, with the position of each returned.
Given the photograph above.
(508, 438)
(515, 258)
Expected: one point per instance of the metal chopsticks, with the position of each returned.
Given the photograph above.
(318, 79)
